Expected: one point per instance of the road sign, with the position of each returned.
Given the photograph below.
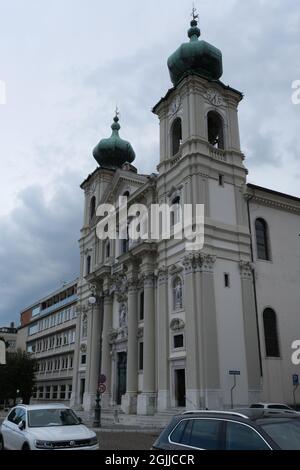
(102, 388)
(295, 379)
(102, 379)
(234, 372)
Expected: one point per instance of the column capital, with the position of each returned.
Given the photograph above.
(200, 262)
(206, 262)
(107, 296)
(189, 263)
(162, 275)
(133, 285)
(246, 269)
(148, 280)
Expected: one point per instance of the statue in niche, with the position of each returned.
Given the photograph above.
(122, 316)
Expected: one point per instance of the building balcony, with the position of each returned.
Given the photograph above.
(58, 305)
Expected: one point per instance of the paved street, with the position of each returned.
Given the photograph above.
(126, 440)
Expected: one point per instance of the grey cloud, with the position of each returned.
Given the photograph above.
(39, 245)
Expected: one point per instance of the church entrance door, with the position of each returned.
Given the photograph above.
(121, 376)
(180, 387)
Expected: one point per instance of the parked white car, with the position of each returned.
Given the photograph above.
(45, 427)
(273, 407)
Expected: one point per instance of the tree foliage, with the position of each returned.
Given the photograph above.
(17, 376)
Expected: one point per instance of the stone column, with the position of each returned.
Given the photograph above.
(191, 335)
(163, 397)
(207, 333)
(146, 400)
(129, 400)
(105, 353)
(250, 331)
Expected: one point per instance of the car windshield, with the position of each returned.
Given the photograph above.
(286, 434)
(52, 417)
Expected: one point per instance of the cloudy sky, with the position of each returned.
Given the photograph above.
(67, 63)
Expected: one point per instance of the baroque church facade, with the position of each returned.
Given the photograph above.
(168, 327)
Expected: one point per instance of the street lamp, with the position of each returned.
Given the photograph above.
(95, 300)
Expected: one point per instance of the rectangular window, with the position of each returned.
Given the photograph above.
(142, 305)
(41, 392)
(83, 359)
(221, 180)
(226, 280)
(54, 393)
(69, 391)
(62, 392)
(70, 362)
(33, 329)
(141, 356)
(47, 393)
(178, 341)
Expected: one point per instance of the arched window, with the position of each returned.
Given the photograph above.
(176, 136)
(92, 208)
(177, 293)
(88, 265)
(107, 249)
(271, 333)
(215, 130)
(262, 246)
(126, 194)
(84, 327)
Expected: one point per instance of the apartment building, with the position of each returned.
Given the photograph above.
(48, 329)
(9, 334)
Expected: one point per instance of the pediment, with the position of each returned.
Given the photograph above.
(122, 181)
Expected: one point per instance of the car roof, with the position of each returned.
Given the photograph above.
(240, 414)
(42, 406)
(269, 403)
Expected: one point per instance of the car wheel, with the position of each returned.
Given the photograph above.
(26, 446)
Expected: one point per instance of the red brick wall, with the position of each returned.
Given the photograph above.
(25, 317)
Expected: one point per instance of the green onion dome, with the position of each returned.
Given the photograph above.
(195, 57)
(113, 152)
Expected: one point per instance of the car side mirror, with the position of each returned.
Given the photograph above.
(22, 425)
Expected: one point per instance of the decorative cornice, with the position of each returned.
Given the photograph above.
(177, 324)
(270, 199)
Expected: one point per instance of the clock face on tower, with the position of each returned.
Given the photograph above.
(214, 97)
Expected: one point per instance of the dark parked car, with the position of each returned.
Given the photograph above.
(250, 429)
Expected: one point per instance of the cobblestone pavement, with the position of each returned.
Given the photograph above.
(126, 440)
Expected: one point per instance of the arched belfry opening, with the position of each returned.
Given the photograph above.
(176, 136)
(215, 130)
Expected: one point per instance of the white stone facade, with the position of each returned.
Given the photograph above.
(198, 315)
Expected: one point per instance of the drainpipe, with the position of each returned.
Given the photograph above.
(254, 285)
